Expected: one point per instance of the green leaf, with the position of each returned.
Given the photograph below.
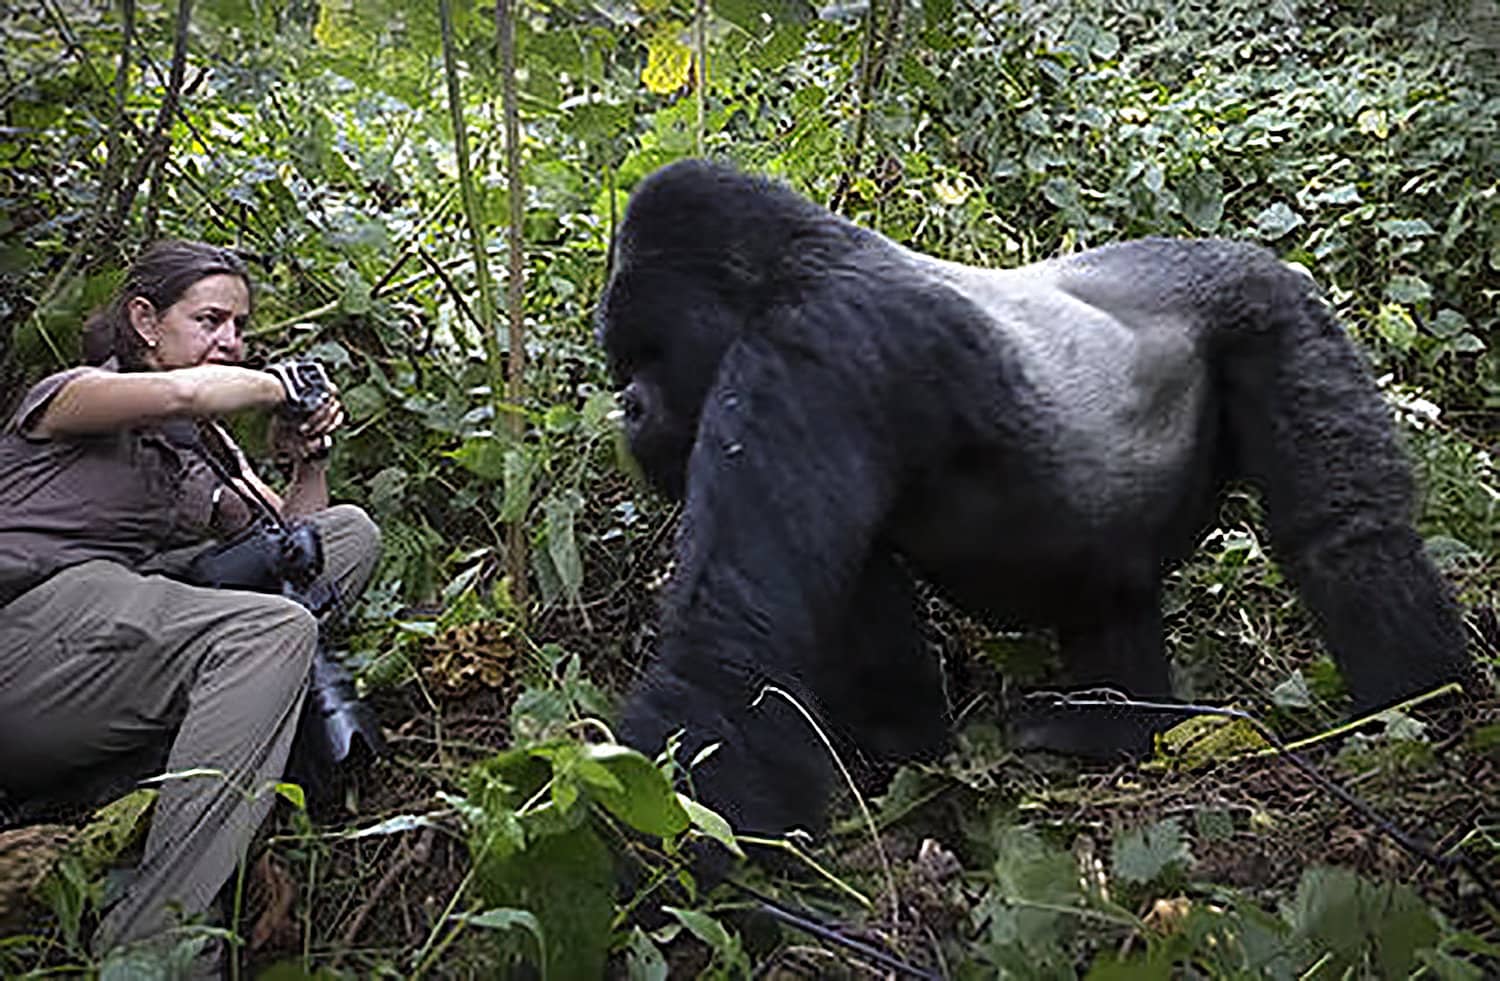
(292, 793)
(597, 411)
(566, 881)
(751, 16)
(1143, 854)
(710, 823)
(559, 418)
(1277, 220)
(509, 919)
(561, 510)
(641, 795)
(644, 959)
(112, 828)
(1406, 228)
(1292, 693)
(518, 471)
(1035, 885)
(1343, 194)
(1202, 195)
(483, 456)
(726, 946)
(1448, 323)
(170, 959)
(1406, 288)
(1448, 967)
(702, 926)
(355, 300)
(1364, 925)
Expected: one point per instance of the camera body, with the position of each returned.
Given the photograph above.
(270, 557)
(265, 557)
(307, 387)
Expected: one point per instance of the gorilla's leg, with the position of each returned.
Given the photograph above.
(879, 684)
(1113, 640)
(1313, 432)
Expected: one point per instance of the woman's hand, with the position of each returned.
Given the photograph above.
(312, 438)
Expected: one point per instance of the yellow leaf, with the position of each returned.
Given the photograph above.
(1205, 739)
(335, 28)
(950, 193)
(668, 60)
(1373, 121)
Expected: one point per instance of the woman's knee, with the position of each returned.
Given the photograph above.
(284, 631)
(351, 546)
(353, 528)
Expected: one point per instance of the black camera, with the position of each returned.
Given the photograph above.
(307, 387)
(270, 557)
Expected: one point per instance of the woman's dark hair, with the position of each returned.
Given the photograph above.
(162, 274)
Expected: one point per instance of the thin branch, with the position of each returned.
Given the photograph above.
(414, 856)
(861, 109)
(459, 300)
(700, 43)
(515, 532)
(158, 142)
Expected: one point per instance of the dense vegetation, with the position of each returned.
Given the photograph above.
(358, 149)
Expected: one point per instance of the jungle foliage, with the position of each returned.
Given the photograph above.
(358, 151)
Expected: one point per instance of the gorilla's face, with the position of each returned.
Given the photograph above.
(660, 440)
(663, 356)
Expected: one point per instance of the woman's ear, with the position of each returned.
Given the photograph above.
(143, 320)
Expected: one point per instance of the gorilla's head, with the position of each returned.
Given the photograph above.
(702, 253)
(671, 309)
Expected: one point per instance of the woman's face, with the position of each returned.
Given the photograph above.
(205, 325)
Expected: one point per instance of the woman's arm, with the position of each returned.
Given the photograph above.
(105, 401)
(308, 490)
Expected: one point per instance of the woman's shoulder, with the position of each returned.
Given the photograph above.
(34, 402)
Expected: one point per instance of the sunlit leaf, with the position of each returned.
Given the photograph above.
(641, 795)
(669, 61)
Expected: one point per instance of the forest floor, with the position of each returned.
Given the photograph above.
(380, 903)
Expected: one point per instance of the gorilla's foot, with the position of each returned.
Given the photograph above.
(1102, 733)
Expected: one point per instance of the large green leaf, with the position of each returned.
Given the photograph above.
(641, 795)
(1362, 924)
(1143, 854)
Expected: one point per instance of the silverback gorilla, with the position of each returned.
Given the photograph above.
(839, 413)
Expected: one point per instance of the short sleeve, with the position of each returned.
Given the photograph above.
(35, 402)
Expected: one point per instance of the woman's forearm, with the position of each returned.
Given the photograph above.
(106, 401)
(218, 389)
(308, 490)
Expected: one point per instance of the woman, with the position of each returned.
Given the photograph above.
(105, 493)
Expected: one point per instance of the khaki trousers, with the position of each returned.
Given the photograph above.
(99, 661)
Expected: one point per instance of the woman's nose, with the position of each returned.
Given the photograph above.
(231, 342)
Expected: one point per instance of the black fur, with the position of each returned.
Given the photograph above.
(1040, 443)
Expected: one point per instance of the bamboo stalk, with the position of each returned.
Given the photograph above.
(515, 532)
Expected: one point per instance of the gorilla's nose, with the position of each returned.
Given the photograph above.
(631, 405)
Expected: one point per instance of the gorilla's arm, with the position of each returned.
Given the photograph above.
(787, 480)
(880, 682)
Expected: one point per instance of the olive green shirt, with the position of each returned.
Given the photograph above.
(124, 495)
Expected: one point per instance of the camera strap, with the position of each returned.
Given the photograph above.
(210, 444)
